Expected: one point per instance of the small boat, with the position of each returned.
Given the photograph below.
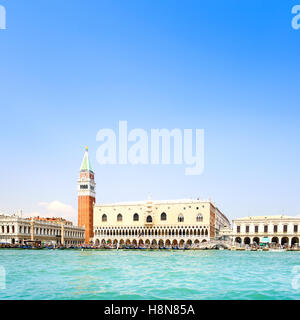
(277, 250)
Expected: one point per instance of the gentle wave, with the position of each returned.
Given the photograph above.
(136, 275)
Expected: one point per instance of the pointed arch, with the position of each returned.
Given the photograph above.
(149, 219)
(163, 217)
(199, 217)
(180, 218)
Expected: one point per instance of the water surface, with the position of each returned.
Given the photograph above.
(117, 275)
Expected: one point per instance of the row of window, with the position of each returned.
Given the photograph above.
(163, 217)
(266, 228)
(40, 231)
(142, 233)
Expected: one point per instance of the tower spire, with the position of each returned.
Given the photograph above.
(86, 163)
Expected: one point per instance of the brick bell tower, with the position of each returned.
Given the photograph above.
(86, 197)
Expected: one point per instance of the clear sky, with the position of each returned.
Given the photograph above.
(70, 68)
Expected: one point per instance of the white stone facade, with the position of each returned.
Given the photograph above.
(282, 230)
(16, 230)
(158, 223)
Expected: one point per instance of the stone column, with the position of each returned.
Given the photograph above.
(62, 234)
(32, 230)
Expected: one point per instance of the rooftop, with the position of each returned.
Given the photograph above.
(133, 203)
(274, 217)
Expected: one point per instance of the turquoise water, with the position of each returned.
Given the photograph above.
(148, 275)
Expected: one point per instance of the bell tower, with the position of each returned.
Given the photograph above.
(86, 197)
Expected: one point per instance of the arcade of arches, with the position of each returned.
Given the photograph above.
(157, 236)
(288, 241)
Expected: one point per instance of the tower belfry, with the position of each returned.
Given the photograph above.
(86, 197)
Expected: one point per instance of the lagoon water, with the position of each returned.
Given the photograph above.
(118, 275)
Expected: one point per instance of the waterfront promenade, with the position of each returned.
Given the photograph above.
(211, 245)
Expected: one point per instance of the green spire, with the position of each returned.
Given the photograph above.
(86, 163)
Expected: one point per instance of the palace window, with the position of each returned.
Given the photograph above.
(199, 218)
(119, 217)
(275, 228)
(104, 218)
(163, 216)
(265, 228)
(247, 229)
(285, 227)
(238, 229)
(180, 218)
(295, 228)
(149, 219)
(135, 217)
(256, 229)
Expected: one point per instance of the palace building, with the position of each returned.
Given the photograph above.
(158, 223)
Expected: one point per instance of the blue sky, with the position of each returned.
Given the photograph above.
(70, 68)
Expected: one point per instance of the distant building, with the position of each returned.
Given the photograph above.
(163, 223)
(16, 230)
(55, 220)
(281, 229)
